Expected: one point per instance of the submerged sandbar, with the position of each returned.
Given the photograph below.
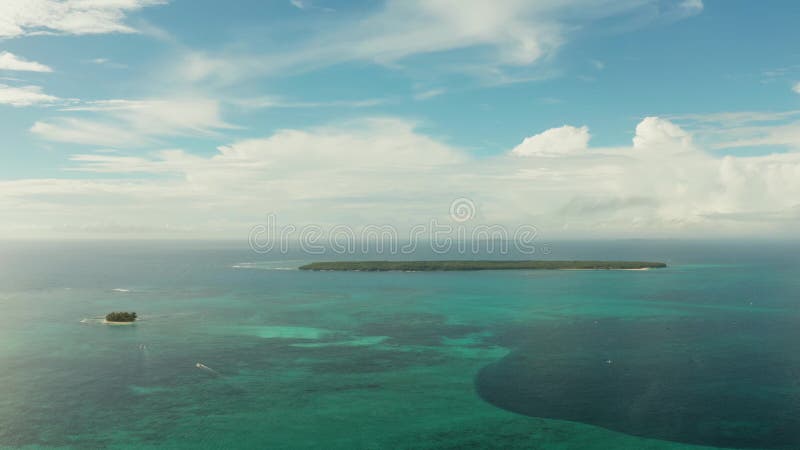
(424, 266)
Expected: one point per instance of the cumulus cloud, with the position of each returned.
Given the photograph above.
(655, 133)
(24, 96)
(133, 122)
(26, 17)
(10, 61)
(384, 171)
(796, 87)
(555, 141)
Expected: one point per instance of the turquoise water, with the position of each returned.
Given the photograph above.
(705, 352)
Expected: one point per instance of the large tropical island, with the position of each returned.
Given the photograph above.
(428, 266)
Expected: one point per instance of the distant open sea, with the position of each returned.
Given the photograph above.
(239, 350)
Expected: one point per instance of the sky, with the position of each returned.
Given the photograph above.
(586, 119)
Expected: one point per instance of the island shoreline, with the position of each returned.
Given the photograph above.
(109, 322)
(466, 265)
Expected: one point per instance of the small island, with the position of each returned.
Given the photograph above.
(428, 266)
(120, 318)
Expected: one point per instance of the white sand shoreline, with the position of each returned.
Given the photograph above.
(595, 270)
(108, 322)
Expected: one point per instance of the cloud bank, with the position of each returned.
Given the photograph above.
(384, 171)
(30, 17)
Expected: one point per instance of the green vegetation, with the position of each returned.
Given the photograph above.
(373, 266)
(121, 317)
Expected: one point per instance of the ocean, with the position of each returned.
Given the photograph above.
(237, 349)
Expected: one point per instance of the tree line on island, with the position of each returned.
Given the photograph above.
(373, 266)
(121, 316)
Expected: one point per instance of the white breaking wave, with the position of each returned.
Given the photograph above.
(93, 320)
(262, 266)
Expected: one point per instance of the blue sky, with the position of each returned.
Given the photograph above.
(116, 114)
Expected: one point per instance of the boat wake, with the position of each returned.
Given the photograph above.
(204, 367)
(93, 320)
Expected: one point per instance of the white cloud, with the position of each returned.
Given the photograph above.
(655, 133)
(307, 5)
(735, 119)
(785, 135)
(278, 102)
(25, 17)
(563, 140)
(162, 116)
(430, 93)
(796, 87)
(300, 4)
(82, 131)
(24, 96)
(691, 7)
(746, 129)
(108, 63)
(127, 123)
(521, 33)
(119, 164)
(502, 36)
(10, 61)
